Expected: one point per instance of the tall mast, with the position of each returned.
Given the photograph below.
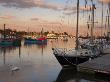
(102, 21)
(4, 32)
(93, 7)
(28, 31)
(107, 20)
(42, 31)
(108, 16)
(77, 25)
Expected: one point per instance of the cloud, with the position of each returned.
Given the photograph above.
(39, 20)
(87, 8)
(18, 3)
(69, 11)
(29, 4)
(34, 19)
(49, 6)
(7, 17)
(104, 1)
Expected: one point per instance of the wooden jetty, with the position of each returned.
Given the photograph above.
(98, 65)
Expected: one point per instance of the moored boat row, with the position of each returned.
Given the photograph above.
(7, 41)
(41, 40)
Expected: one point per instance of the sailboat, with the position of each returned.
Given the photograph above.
(78, 55)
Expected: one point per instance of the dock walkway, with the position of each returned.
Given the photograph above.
(98, 65)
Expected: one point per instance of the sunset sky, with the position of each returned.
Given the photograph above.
(57, 15)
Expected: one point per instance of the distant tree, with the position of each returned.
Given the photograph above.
(1, 31)
(65, 33)
(45, 33)
(53, 32)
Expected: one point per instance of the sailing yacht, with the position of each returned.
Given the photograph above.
(78, 55)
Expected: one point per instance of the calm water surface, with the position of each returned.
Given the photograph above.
(38, 64)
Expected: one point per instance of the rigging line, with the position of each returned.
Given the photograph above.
(61, 26)
(67, 59)
(108, 12)
(102, 21)
(85, 7)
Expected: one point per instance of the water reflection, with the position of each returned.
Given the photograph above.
(38, 64)
(39, 46)
(42, 47)
(70, 75)
(19, 51)
(8, 49)
(4, 51)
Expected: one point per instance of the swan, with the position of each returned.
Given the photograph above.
(14, 68)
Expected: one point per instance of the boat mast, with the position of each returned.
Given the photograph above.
(102, 22)
(109, 16)
(42, 31)
(93, 8)
(4, 32)
(77, 25)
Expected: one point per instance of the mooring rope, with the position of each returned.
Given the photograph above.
(68, 60)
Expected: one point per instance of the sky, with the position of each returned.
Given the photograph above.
(56, 15)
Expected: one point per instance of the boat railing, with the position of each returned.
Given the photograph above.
(59, 50)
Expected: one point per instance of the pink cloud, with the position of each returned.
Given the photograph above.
(7, 16)
(87, 8)
(29, 4)
(69, 11)
(104, 1)
(34, 19)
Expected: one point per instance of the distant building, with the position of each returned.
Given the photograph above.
(52, 36)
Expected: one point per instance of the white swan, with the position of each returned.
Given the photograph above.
(14, 68)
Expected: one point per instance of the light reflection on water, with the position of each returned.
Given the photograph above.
(36, 63)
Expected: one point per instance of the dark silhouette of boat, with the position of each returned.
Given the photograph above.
(71, 75)
(73, 57)
(7, 41)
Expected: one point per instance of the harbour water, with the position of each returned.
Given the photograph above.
(37, 63)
